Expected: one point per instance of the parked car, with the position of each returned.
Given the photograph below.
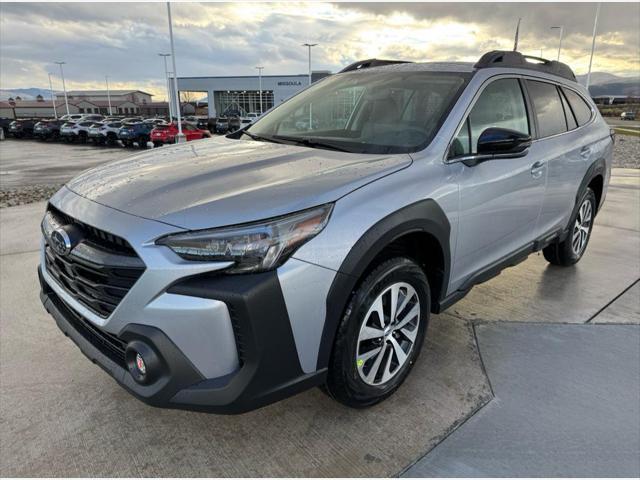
(131, 120)
(244, 270)
(48, 129)
(4, 127)
(222, 125)
(234, 124)
(76, 131)
(155, 121)
(166, 133)
(628, 116)
(105, 132)
(22, 128)
(138, 132)
(74, 117)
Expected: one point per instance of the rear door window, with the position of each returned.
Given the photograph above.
(580, 108)
(548, 108)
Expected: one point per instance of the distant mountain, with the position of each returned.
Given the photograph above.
(25, 93)
(603, 83)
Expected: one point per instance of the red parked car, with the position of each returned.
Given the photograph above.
(162, 134)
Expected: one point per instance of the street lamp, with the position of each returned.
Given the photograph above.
(180, 138)
(593, 45)
(309, 45)
(53, 97)
(64, 88)
(168, 82)
(561, 28)
(260, 83)
(106, 79)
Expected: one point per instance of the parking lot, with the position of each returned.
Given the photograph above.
(539, 359)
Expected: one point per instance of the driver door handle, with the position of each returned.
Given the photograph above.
(537, 169)
(585, 152)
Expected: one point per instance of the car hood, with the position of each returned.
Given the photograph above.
(218, 182)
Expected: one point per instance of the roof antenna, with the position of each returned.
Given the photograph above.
(515, 43)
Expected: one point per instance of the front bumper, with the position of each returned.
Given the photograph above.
(269, 368)
(225, 342)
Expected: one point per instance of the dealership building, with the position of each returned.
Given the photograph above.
(242, 94)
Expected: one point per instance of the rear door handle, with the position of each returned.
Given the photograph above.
(536, 169)
(585, 152)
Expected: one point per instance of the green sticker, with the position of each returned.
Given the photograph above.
(360, 362)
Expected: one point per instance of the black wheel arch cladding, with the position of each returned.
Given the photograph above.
(597, 168)
(425, 216)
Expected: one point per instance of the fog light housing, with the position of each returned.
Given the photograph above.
(140, 365)
(143, 363)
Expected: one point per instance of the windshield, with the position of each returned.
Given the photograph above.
(365, 112)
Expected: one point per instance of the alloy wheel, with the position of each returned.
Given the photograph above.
(388, 334)
(582, 227)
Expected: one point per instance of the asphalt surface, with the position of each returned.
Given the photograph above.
(60, 415)
(32, 162)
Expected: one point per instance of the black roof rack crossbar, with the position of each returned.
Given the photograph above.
(500, 58)
(370, 63)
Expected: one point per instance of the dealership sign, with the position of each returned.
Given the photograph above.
(295, 83)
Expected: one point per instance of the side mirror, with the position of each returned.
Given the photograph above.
(496, 143)
(499, 141)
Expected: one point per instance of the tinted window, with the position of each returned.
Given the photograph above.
(549, 112)
(500, 105)
(580, 108)
(571, 121)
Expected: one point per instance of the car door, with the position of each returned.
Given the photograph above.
(500, 199)
(560, 112)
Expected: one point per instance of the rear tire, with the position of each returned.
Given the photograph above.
(571, 250)
(371, 355)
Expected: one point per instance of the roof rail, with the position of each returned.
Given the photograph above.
(370, 63)
(500, 58)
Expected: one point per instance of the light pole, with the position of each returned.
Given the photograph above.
(180, 138)
(309, 45)
(561, 28)
(106, 79)
(260, 84)
(64, 88)
(168, 82)
(593, 45)
(53, 97)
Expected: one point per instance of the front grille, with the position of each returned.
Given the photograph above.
(99, 271)
(107, 343)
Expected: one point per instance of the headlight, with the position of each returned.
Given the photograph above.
(254, 247)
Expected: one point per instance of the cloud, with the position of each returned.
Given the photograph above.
(122, 40)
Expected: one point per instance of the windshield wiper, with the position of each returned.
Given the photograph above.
(310, 142)
(253, 136)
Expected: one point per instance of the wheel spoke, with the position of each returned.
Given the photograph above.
(410, 334)
(379, 309)
(395, 291)
(386, 373)
(413, 313)
(367, 355)
(400, 353)
(368, 333)
(371, 376)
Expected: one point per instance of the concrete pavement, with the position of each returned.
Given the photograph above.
(63, 416)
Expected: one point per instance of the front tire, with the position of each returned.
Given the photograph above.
(380, 335)
(571, 250)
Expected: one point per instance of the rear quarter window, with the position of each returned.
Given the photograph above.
(580, 108)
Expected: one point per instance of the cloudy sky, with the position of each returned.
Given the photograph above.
(122, 40)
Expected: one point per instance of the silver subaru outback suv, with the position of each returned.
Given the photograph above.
(311, 248)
